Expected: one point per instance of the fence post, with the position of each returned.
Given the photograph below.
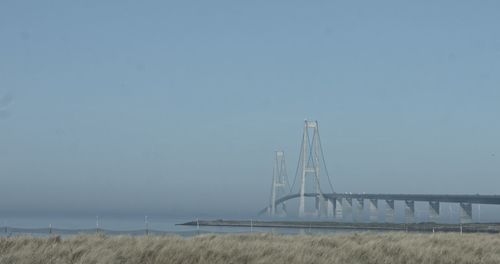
(147, 224)
(96, 224)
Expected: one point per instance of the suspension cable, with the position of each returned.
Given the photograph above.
(298, 165)
(324, 163)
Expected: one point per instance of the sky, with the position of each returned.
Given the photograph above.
(177, 107)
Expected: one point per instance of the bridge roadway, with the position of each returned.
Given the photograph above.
(442, 198)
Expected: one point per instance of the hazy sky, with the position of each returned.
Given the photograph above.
(177, 107)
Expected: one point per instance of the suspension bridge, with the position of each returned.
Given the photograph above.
(312, 176)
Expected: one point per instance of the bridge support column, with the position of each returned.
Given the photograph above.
(347, 210)
(389, 211)
(322, 206)
(338, 209)
(433, 211)
(465, 213)
(360, 210)
(323, 212)
(409, 211)
(373, 210)
(317, 206)
(329, 208)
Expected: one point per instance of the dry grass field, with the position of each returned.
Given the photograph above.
(256, 248)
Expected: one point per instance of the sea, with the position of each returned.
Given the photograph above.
(133, 225)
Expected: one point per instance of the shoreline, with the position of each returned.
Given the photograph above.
(413, 227)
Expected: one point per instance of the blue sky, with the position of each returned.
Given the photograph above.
(177, 107)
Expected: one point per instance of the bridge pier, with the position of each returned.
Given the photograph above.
(347, 210)
(465, 213)
(329, 208)
(360, 209)
(317, 206)
(323, 212)
(373, 210)
(338, 209)
(409, 211)
(433, 211)
(389, 211)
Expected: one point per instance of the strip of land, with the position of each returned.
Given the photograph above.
(415, 227)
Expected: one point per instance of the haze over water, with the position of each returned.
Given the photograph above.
(174, 110)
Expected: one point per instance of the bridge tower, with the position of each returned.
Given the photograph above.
(311, 161)
(279, 184)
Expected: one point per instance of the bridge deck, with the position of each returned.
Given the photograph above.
(444, 198)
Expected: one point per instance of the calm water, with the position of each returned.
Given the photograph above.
(137, 225)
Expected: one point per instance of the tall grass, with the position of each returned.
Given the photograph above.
(256, 248)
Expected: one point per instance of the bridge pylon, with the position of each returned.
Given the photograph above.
(279, 187)
(311, 164)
